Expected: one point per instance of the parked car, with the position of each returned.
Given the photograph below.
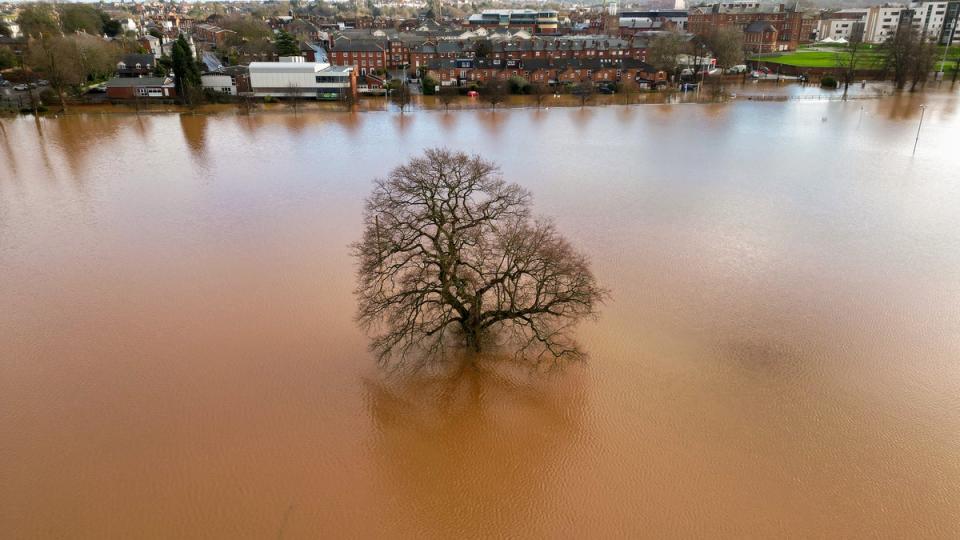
(473, 93)
(43, 82)
(21, 87)
(715, 71)
(741, 68)
(4, 84)
(687, 87)
(606, 89)
(98, 89)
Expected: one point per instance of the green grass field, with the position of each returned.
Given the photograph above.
(823, 59)
(870, 57)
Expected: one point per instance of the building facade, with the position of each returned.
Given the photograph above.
(292, 76)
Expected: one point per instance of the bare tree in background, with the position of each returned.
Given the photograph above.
(450, 255)
(922, 61)
(495, 92)
(847, 60)
(540, 91)
(294, 97)
(584, 91)
(447, 95)
(629, 88)
(664, 50)
(400, 96)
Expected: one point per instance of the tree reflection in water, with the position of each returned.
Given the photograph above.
(477, 448)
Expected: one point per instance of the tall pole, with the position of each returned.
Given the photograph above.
(923, 108)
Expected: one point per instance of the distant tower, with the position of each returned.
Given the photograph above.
(611, 21)
(679, 4)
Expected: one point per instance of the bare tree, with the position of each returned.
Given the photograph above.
(294, 97)
(539, 91)
(584, 91)
(922, 60)
(400, 96)
(664, 50)
(58, 58)
(495, 92)
(447, 95)
(629, 88)
(911, 57)
(847, 60)
(451, 255)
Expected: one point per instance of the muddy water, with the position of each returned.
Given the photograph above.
(780, 357)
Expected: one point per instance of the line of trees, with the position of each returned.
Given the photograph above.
(910, 58)
(47, 20)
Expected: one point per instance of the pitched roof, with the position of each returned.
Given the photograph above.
(757, 27)
(136, 82)
(131, 60)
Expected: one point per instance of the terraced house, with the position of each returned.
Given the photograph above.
(462, 72)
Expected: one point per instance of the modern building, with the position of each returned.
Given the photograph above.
(292, 76)
(845, 24)
(545, 21)
(934, 20)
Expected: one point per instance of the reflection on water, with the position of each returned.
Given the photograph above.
(779, 359)
(431, 434)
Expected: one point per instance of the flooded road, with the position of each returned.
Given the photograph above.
(780, 357)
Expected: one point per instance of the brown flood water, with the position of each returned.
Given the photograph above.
(781, 357)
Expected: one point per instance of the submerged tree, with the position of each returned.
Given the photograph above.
(451, 255)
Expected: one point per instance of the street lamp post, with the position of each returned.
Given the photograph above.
(923, 109)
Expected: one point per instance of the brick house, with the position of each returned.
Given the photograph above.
(366, 56)
(792, 28)
(760, 37)
(464, 71)
(135, 65)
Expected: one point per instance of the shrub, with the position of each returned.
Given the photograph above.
(828, 82)
(268, 99)
(519, 85)
(429, 85)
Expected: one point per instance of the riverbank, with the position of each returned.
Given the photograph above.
(750, 90)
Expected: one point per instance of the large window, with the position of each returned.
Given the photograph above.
(330, 79)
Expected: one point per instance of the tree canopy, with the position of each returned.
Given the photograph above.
(287, 44)
(185, 70)
(451, 255)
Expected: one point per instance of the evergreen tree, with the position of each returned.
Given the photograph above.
(286, 44)
(186, 71)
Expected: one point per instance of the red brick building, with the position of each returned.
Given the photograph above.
(791, 27)
(462, 72)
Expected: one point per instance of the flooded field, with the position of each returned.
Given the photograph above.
(780, 356)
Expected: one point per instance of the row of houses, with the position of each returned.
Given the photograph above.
(372, 55)
(464, 71)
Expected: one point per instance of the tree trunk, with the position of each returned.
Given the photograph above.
(472, 333)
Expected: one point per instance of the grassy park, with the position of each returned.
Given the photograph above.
(833, 55)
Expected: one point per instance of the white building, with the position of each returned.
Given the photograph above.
(842, 25)
(882, 22)
(220, 83)
(928, 18)
(292, 76)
